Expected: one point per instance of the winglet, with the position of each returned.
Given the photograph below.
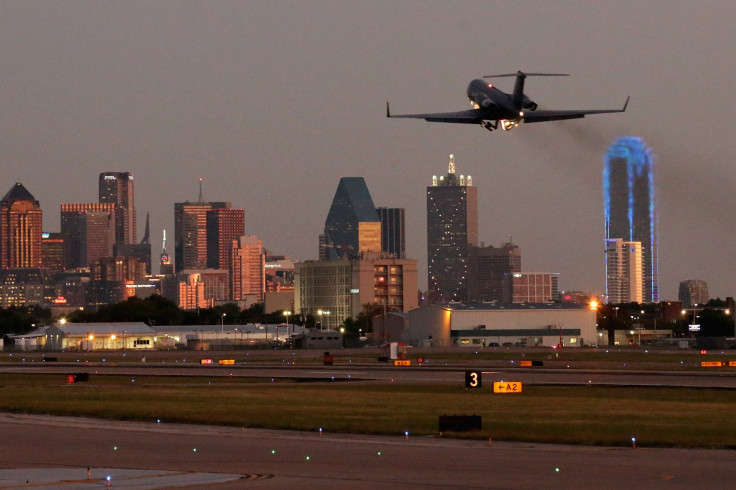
(626, 104)
(388, 112)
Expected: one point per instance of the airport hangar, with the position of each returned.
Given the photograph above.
(490, 324)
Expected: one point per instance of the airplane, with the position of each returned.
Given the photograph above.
(493, 108)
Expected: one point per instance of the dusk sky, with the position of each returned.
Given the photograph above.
(271, 102)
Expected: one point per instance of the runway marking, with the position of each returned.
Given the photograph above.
(74, 478)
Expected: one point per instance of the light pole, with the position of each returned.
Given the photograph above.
(287, 314)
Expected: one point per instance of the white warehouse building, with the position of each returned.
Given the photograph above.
(489, 324)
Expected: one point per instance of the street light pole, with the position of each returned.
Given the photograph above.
(287, 314)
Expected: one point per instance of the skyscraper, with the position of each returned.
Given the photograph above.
(352, 225)
(190, 233)
(693, 292)
(20, 229)
(52, 251)
(165, 265)
(89, 232)
(223, 226)
(452, 227)
(491, 271)
(629, 205)
(624, 273)
(393, 231)
(247, 268)
(117, 188)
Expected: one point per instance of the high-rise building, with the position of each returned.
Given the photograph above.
(393, 232)
(452, 227)
(223, 226)
(334, 290)
(536, 287)
(247, 268)
(117, 188)
(165, 265)
(491, 271)
(693, 292)
(141, 251)
(118, 269)
(52, 251)
(624, 274)
(25, 286)
(20, 229)
(89, 232)
(629, 205)
(186, 290)
(352, 225)
(190, 233)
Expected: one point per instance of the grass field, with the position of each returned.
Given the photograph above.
(611, 416)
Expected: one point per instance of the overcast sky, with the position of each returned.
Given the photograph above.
(271, 102)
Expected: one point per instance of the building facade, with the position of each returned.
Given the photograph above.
(629, 205)
(21, 222)
(89, 232)
(393, 231)
(190, 233)
(52, 251)
(223, 226)
(491, 271)
(693, 292)
(352, 225)
(117, 188)
(247, 268)
(333, 291)
(26, 286)
(488, 325)
(452, 228)
(624, 274)
(535, 287)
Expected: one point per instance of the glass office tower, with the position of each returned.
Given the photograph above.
(629, 204)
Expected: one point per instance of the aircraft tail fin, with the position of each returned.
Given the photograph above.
(518, 95)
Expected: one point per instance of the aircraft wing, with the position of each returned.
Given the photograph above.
(542, 115)
(473, 116)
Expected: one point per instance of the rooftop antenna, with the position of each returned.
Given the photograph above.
(201, 194)
(146, 233)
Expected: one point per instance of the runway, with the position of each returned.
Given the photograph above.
(54, 452)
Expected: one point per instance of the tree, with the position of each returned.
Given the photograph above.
(370, 311)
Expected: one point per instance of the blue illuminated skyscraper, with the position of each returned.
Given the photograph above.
(629, 205)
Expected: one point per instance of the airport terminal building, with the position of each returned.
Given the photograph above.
(490, 324)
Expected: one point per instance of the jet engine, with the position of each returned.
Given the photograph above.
(528, 104)
(481, 100)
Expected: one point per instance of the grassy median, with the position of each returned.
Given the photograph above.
(590, 415)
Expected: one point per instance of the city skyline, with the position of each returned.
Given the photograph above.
(271, 110)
